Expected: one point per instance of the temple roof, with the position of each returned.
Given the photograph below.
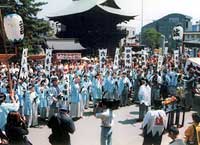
(64, 44)
(80, 6)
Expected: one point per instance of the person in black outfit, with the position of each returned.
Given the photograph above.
(16, 129)
(61, 125)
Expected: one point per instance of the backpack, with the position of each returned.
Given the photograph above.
(194, 142)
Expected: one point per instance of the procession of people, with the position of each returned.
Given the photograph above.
(79, 85)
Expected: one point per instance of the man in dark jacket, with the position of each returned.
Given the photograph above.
(61, 125)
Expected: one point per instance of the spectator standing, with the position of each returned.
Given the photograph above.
(106, 117)
(61, 125)
(16, 129)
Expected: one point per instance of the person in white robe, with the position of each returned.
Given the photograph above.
(154, 124)
(144, 96)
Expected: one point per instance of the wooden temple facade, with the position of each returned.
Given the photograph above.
(93, 23)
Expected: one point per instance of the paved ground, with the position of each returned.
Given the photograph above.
(126, 131)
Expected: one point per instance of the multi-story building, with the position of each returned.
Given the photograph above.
(192, 43)
(166, 24)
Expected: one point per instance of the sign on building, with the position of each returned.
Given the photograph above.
(68, 56)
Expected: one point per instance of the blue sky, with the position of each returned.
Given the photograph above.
(152, 9)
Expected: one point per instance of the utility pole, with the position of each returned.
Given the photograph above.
(142, 11)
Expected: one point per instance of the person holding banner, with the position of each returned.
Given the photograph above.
(21, 93)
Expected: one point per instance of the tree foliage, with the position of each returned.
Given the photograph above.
(34, 28)
(151, 38)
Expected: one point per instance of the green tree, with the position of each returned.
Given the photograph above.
(34, 28)
(151, 38)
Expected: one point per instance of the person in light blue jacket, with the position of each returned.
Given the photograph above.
(5, 108)
(76, 106)
(43, 105)
(21, 95)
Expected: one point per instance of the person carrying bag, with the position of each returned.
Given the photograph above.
(191, 132)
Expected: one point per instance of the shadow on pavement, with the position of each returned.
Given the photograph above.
(134, 112)
(128, 121)
(90, 113)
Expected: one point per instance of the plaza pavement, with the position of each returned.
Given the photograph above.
(126, 131)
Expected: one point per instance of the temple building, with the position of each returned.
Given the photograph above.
(93, 23)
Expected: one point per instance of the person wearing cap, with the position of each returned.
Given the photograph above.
(5, 108)
(61, 126)
(173, 134)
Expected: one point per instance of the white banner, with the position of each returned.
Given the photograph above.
(24, 64)
(48, 61)
(144, 56)
(176, 58)
(160, 62)
(102, 57)
(128, 57)
(116, 59)
(166, 51)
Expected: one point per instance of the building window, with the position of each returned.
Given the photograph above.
(174, 20)
(186, 24)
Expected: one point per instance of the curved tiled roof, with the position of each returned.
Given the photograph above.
(80, 6)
